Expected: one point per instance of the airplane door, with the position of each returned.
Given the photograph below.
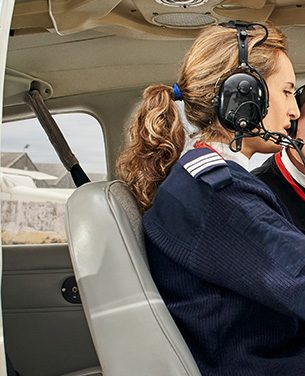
(6, 12)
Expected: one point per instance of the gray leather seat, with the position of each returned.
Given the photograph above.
(131, 328)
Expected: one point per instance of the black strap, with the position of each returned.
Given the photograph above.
(242, 37)
(34, 99)
(78, 175)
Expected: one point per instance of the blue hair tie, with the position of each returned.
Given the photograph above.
(177, 92)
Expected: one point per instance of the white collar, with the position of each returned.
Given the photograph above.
(225, 151)
(297, 175)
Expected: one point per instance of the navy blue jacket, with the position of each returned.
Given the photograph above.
(229, 265)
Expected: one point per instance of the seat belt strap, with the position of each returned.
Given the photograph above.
(35, 101)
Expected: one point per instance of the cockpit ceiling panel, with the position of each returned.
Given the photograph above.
(82, 46)
(137, 18)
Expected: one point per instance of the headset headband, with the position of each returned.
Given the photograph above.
(242, 27)
(242, 34)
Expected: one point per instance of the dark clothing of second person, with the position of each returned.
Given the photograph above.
(230, 266)
(270, 174)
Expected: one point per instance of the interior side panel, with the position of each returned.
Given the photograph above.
(44, 334)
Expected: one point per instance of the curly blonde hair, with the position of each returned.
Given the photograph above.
(156, 132)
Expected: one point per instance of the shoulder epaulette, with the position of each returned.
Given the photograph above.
(207, 165)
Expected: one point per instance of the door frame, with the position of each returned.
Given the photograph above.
(6, 13)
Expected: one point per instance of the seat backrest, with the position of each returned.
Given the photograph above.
(131, 328)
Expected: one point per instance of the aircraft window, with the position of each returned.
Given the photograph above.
(34, 183)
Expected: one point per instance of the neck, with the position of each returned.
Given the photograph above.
(295, 160)
(247, 152)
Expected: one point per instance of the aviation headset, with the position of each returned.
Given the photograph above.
(242, 100)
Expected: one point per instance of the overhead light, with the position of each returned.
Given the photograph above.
(182, 3)
(183, 20)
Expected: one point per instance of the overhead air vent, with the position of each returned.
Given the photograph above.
(183, 20)
(182, 3)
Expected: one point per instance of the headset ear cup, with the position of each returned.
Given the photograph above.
(292, 131)
(242, 102)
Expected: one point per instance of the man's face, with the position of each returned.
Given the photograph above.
(301, 124)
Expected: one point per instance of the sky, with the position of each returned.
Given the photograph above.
(82, 132)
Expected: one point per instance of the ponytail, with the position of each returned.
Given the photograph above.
(156, 142)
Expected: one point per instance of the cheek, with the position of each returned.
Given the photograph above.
(275, 104)
(270, 119)
(276, 115)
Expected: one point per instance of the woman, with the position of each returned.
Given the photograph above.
(222, 249)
